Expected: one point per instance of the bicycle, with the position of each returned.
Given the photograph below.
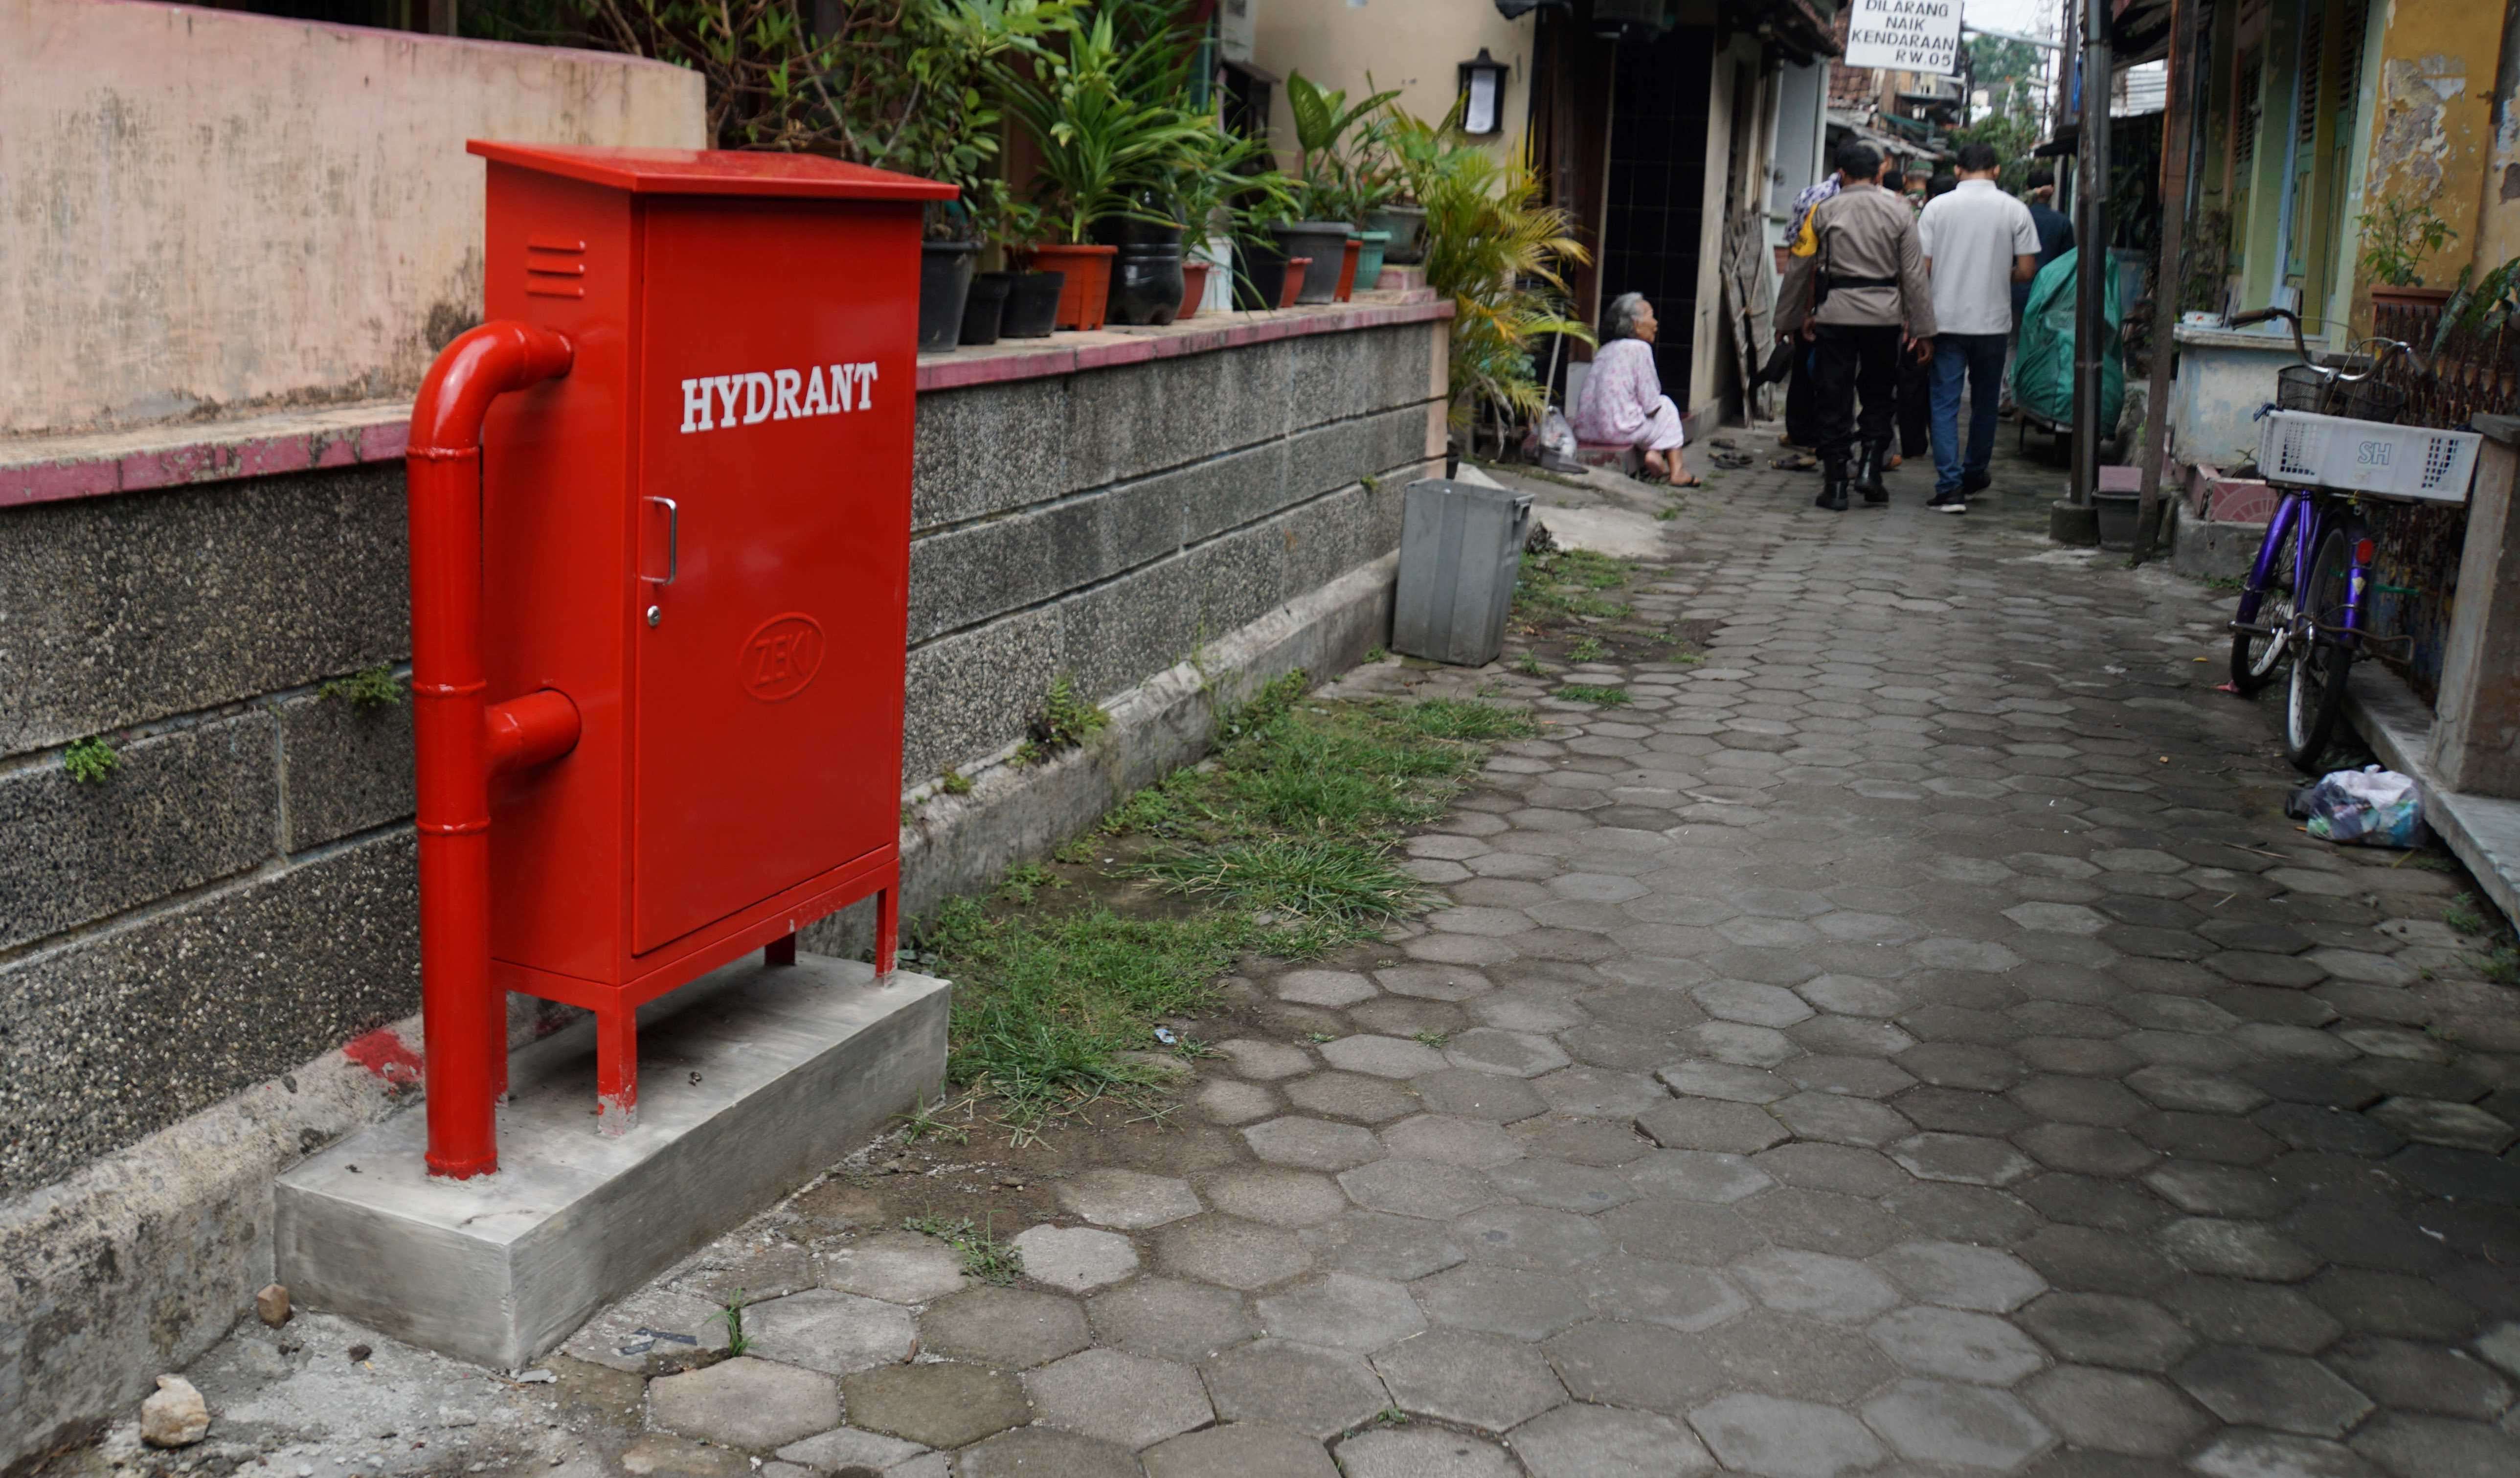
(2303, 600)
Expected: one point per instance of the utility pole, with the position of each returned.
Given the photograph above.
(2177, 130)
(2092, 256)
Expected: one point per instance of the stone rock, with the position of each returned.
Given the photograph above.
(174, 1415)
(1045, 1452)
(834, 1333)
(897, 1266)
(1239, 1450)
(1120, 1398)
(1077, 1258)
(1007, 1327)
(271, 1304)
(745, 1402)
(935, 1403)
(1128, 1199)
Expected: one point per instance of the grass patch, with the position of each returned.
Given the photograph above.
(2461, 915)
(1282, 844)
(1590, 649)
(90, 762)
(1608, 697)
(367, 688)
(1065, 720)
(1565, 584)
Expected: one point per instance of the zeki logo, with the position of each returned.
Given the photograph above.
(722, 402)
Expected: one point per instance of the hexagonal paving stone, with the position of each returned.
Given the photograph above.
(1958, 1276)
(831, 1332)
(1968, 1159)
(1425, 1188)
(1274, 1196)
(1642, 1367)
(1075, 1258)
(1513, 1054)
(1239, 1450)
(2107, 1330)
(1127, 1199)
(745, 1402)
(2235, 1249)
(1421, 1453)
(1226, 1101)
(1232, 1253)
(1351, 1095)
(1582, 1188)
(1956, 1345)
(2115, 1411)
(897, 1266)
(1485, 1381)
(1343, 1312)
(935, 1403)
(1169, 1319)
(1009, 1328)
(2260, 1388)
(1512, 1301)
(1604, 1441)
(1119, 1398)
(1815, 1285)
(1035, 1451)
(1317, 1392)
(1266, 1060)
(1705, 1077)
(2258, 1454)
(1312, 1143)
(1680, 1296)
(1373, 1244)
(1491, 1098)
(1450, 1140)
(1963, 1426)
(848, 1447)
(1382, 1057)
(1779, 1438)
(1838, 1119)
(1681, 1231)
(2459, 1125)
(1332, 988)
(1702, 1123)
(1530, 1236)
(1697, 1176)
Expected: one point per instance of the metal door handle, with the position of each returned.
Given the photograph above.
(673, 539)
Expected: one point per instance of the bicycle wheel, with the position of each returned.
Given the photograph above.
(2255, 657)
(2317, 693)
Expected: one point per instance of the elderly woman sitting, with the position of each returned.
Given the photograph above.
(1623, 403)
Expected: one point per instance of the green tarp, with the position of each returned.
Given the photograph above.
(2043, 366)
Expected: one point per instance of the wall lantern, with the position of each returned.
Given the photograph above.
(1483, 95)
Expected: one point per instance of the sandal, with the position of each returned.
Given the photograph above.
(1692, 481)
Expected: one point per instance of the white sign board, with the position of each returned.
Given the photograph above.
(1904, 35)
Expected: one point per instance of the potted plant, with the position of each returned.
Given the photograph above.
(2397, 238)
(1221, 189)
(1032, 295)
(1104, 145)
(1321, 117)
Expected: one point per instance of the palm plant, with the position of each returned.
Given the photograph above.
(1494, 250)
(1107, 123)
(1217, 173)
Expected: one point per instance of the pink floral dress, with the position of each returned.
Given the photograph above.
(1623, 403)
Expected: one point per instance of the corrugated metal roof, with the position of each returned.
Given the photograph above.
(2140, 90)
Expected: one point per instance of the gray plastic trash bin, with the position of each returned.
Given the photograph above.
(1461, 547)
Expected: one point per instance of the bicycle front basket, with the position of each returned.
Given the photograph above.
(2367, 400)
(2302, 387)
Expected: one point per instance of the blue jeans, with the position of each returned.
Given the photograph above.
(1979, 357)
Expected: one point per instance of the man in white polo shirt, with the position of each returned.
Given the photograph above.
(1978, 242)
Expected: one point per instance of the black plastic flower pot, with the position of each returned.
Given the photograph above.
(1032, 304)
(1259, 275)
(1326, 243)
(985, 308)
(1146, 282)
(944, 281)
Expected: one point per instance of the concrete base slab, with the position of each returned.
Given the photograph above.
(2074, 524)
(2483, 831)
(753, 1081)
(2201, 550)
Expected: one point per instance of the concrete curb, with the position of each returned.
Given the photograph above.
(136, 1263)
(2482, 831)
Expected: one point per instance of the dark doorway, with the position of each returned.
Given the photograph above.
(1653, 223)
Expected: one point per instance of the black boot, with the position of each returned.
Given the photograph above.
(1832, 488)
(1867, 474)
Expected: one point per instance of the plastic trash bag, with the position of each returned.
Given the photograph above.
(2042, 364)
(2368, 806)
(1556, 435)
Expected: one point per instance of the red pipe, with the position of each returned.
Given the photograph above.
(464, 1019)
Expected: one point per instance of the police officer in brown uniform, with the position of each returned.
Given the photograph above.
(1854, 281)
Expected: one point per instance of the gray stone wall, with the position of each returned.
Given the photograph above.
(239, 897)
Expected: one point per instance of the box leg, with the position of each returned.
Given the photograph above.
(780, 951)
(616, 1070)
(498, 1046)
(887, 927)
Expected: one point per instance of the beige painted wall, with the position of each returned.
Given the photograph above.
(205, 214)
(1413, 45)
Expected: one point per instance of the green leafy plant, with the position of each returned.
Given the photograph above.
(922, 1122)
(1430, 1037)
(1322, 118)
(367, 688)
(1024, 881)
(736, 1342)
(1590, 649)
(954, 783)
(2461, 915)
(2397, 235)
(91, 760)
(1106, 121)
(1529, 665)
(2482, 307)
(1064, 722)
(1496, 249)
(1608, 697)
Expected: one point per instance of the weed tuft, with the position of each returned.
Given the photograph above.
(1529, 665)
(1024, 880)
(1590, 649)
(2461, 915)
(90, 760)
(1608, 697)
(984, 1257)
(373, 687)
(736, 1341)
(954, 783)
(1065, 720)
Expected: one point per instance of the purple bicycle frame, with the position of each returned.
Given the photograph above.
(2300, 511)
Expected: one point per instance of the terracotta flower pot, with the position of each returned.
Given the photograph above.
(1087, 293)
(1298, 269)
(1193, 288)
(1348, 255)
